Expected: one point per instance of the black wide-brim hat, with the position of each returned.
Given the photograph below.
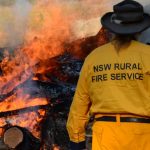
(128, 18)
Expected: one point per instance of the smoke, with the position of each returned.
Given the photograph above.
(43, 29)
(21, 11)
(29, 18)
(15, 28)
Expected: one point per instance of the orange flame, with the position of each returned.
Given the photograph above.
(44, 39)
(41, 44)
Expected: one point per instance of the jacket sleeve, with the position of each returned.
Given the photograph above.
(78, 115)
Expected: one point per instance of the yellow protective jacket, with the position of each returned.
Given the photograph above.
(111, 82)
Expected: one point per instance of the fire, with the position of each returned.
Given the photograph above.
(47, 36)
(13, 103)
(28, 120)
(27, 60)
(40, 44)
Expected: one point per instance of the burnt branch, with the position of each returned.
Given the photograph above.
(38, 89)
(24, 110)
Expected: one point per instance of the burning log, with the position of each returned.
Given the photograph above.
(10, 84)
(27, 73)
(79, 48)
(53, 79)
(38, 89)
(58, 91)
(66, 70)
(19, 138)
(24, 110)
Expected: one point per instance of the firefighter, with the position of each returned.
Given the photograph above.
(114, 86)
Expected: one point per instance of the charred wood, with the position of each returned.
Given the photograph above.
(24, 75)
(1, 72)
(54, 107)
(67, 71)
(38, 89)
(24, 110)
(70, 67)
(57, 83)
(53, 132)
(80, 47)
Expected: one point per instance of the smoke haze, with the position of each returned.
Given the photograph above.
(21, 18)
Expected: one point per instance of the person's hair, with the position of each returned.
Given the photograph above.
(122, 41)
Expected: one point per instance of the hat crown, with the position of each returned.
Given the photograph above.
(128, 5)
(128, 11)
(127, 18)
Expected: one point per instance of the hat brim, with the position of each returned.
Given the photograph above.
(125, 29)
